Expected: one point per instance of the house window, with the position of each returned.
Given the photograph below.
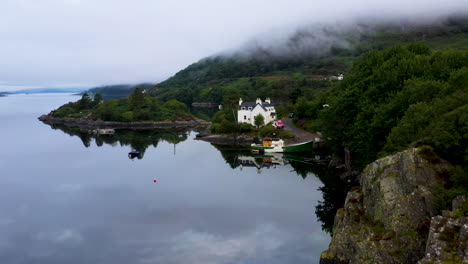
(250, 108)
(245, 117)
(242, 108)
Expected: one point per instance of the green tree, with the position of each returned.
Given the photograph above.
(259, 120)
(97, 99)
(85, 102)
(302, 107)
(137, 99)
(176, 106)
(296, 93)
(185, 95)
(231, 98)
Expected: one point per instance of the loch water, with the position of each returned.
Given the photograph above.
(70, 197)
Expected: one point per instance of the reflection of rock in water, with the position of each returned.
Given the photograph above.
(137, 139)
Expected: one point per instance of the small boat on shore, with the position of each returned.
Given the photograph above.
(276, 145)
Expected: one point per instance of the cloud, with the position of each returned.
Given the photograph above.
(58, 43)
(65, 236)
(199, 247)
(69, 188)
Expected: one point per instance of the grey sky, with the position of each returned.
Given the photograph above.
(69, 43)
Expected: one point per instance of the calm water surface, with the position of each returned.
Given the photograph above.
(62, 202)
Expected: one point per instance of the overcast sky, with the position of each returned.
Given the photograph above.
(81, 43)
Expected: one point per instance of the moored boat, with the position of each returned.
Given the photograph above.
(300, 147)
(275, 145)
(268, 145)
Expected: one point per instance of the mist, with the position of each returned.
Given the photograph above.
(85, 43)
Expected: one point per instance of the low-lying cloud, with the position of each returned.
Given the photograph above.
(57, 43)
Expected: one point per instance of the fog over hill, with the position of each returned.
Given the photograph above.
(86, 43)
(315, 40)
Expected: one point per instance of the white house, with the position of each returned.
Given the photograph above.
(248, 110)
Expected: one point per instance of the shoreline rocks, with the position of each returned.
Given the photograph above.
(448, 235)
(98, 124)
(227, 139)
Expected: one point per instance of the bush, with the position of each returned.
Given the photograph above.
(269, 131)
(63, 111)
(455, 186)
(245, 128)
(175, 106)
(215, 127)
(127, 116)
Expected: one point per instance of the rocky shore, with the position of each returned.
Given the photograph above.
(98, 124)
(390, 217)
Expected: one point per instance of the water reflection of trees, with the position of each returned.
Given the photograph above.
(137, 139)
(304, 165)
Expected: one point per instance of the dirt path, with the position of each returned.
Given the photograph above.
(301, 136)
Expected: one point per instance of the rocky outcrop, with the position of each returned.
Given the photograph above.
(387, 218)
(448, 236)
(96, 124)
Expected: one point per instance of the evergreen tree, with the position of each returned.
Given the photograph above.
(97, 99)
(137, 99)
(85, 101)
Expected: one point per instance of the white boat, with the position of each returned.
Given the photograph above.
(268, 145)
(276, 145)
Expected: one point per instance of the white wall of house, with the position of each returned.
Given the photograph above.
(244, 116)
(248, 115)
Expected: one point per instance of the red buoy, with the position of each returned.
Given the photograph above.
(154, 180)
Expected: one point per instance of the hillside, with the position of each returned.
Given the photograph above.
(117, 91)
(303, 70)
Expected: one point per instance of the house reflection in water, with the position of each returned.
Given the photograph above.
(260, 162)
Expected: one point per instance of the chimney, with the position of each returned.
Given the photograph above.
(267, 100)
(240, 101)
(259, 101)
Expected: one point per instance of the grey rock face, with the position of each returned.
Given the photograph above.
(448, 236)
(386, 220)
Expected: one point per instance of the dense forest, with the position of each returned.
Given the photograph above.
(398, 97)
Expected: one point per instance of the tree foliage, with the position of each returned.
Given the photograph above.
(259, 120)
(398, 97)
(138, 107)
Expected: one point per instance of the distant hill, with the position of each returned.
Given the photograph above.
(46, 90)
(300, 65)
(117, 91)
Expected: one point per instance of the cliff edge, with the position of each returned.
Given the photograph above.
(387, 218)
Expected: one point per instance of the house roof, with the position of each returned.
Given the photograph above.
(253, 104)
